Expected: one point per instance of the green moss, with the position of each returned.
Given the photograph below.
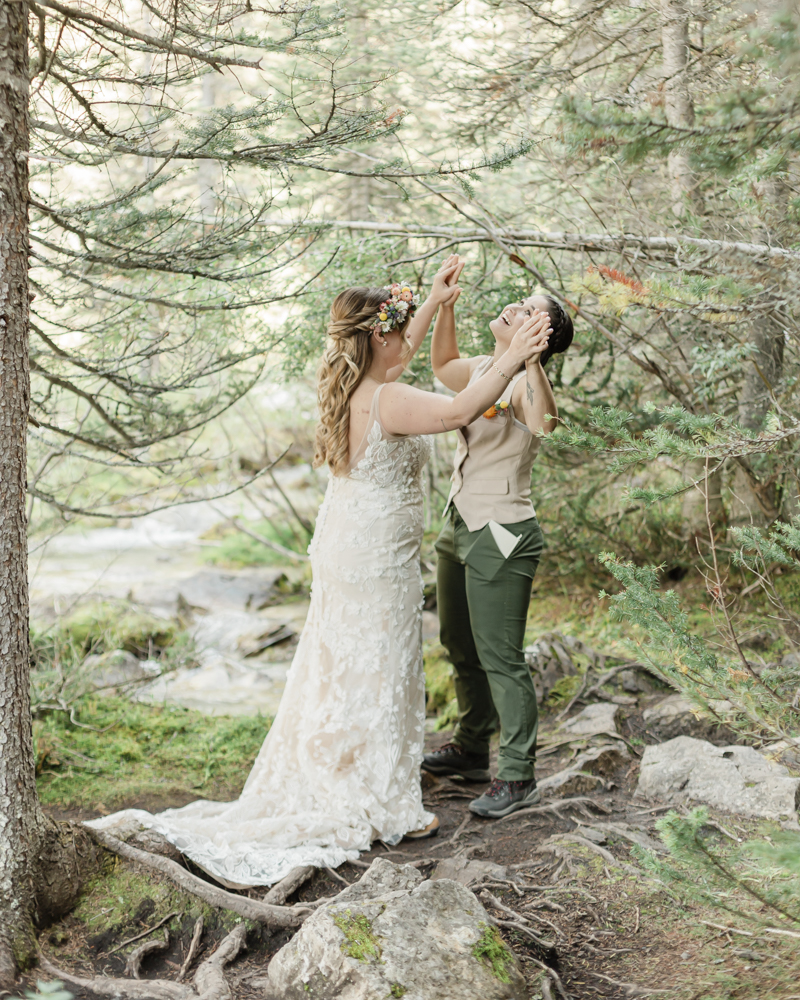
(564, 689)
(397, 990)
(105, 625)
(492, 952)
(360, 942)
(136, 751)
(111, 902)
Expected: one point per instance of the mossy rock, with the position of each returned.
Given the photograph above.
(107, 625)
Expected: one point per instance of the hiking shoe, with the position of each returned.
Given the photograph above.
(451, 759)
(504, 797)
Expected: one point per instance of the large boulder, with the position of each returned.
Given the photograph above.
(393, 934)
(738, 779)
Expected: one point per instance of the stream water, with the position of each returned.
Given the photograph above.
(153, 563)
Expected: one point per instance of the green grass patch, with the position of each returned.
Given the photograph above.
(360, 941)
(492, 952)
(237, 549)
(135, 751)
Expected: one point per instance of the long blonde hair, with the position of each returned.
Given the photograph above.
(344, 364)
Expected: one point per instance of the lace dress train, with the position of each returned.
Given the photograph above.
(340, 765)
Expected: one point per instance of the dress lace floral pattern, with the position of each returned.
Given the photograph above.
(340, 765)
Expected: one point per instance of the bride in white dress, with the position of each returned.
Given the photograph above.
(340, 765)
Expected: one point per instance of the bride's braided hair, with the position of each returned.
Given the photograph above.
(343, 366)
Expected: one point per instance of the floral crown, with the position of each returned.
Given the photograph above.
(400, 306)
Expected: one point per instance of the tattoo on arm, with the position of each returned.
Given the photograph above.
(441, 421)
(528, 390)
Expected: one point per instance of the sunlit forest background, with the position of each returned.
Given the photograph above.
(192, 221)
(206, 177)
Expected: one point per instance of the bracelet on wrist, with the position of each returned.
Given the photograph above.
(506, 377)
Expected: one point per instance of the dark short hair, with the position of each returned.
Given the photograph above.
(561, 337)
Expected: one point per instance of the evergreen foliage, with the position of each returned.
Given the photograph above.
(758, 881)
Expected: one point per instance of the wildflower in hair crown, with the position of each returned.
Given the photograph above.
(400, 305)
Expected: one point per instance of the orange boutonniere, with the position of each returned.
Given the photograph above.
(495, 408)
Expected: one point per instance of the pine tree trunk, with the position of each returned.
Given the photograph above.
(685, 198)
(678, 103)
(763, 369)
(20, 816)
(41, 863)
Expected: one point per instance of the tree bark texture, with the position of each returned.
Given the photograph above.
(42, 863)
(678, 103)
(754, 501)
(20, 815)
(685, 198)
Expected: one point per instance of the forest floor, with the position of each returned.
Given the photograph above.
(615, 930)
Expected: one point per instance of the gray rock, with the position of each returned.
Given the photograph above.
(636, 681)
(783, 752)
(586, 772)
(677, 716)
(594, 719)
(737, 779)
(218, 590)
(468, 872)
(117, 668)
(393, 934)
(589, 833)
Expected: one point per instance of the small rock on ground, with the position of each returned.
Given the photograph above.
(593, 720)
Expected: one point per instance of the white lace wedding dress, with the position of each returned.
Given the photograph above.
(340, 765)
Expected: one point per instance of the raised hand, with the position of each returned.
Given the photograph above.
(445, 280)
(532, 337)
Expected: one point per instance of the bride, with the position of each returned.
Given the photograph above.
(340, 765)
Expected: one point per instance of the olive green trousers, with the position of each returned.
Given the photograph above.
(483, 601)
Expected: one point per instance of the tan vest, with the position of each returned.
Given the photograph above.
(492, 475)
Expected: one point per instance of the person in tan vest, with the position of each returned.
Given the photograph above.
(488, 553)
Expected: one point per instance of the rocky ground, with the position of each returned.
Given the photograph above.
(562, 881)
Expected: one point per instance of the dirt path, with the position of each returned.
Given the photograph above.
(589, 909)
(606, 927)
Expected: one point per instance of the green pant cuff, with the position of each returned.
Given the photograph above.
(469, 745)
(515, 773)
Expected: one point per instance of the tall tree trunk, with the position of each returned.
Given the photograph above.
(753, 501)
(678, 103)
(42, 864)
(685, 199)
(20, 815)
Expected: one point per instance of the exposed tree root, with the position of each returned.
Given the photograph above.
(631, 989)
(137, 937)
(554, 807)
(274, 917)
(133, 967)
(574, 838)
(281, 891)
(209, 980)
(194, 947)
